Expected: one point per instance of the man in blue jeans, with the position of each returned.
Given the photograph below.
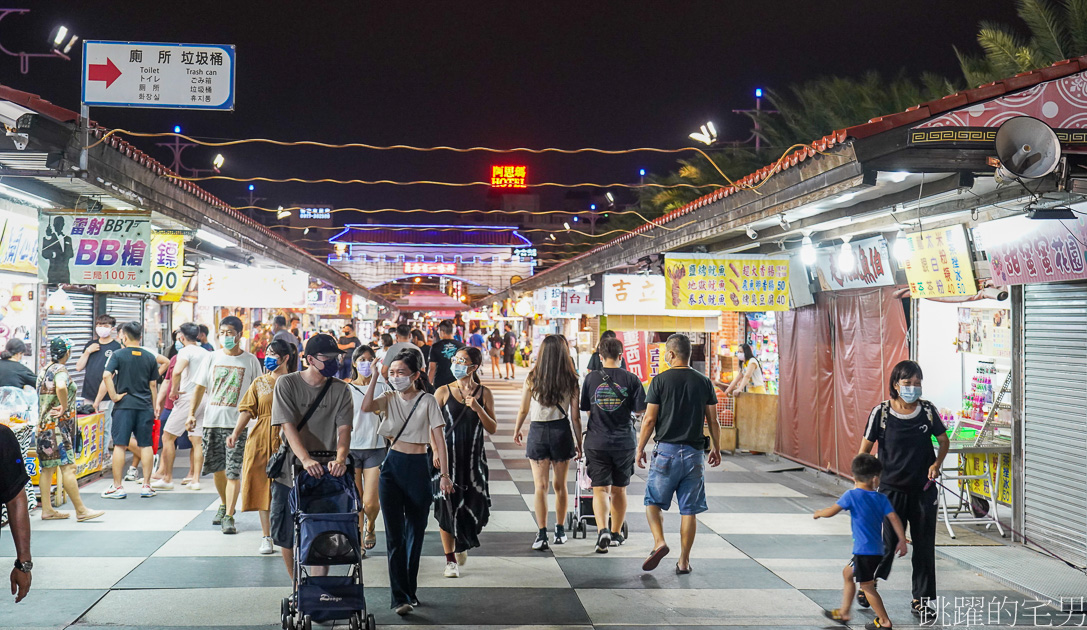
(679, 400)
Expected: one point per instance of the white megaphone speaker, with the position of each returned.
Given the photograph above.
(1027, 149)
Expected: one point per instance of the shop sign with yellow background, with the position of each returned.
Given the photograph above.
(726, 282)
(939, 263)
(90, 459)
(1000, 469)
(167, 277)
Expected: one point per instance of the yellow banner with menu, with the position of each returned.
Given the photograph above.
(726, 282)
(167, 262)
(939, 263)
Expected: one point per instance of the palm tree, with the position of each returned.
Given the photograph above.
(1058, 30)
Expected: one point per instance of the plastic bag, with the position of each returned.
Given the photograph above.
(59, 304)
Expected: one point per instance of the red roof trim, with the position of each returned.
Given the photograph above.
(38, 104)
(866, 130)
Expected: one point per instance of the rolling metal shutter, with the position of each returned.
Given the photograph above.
(77, 326)
(125, 309)
(1054, 423)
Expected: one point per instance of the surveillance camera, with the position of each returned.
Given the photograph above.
(752, 234)
(783, 222)
(995, 293)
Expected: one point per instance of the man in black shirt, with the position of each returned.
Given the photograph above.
(594, 361)
(13, 480)
(439, 369)
(509, 348)
(131, 378)
(679, 401)
(348, 343)
(612, 396)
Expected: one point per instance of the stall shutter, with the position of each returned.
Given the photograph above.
(125, 309)
(1054, 424)
(77, 326)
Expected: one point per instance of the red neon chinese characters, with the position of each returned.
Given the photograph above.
(509, 176)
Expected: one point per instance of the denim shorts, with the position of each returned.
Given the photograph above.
(551, 440)
(677, 469)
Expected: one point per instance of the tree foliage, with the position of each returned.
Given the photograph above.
(1057, 30)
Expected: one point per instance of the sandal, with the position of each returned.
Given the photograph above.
(874, 625)
(686, 571)
(55, 516)
(89, 515)
(919, 609)
(370, 541)
(655, 558)
(862, 599)
(836, 615)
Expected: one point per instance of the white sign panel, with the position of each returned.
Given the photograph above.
(871, 266)
(253, 288)
(142, 74)
(629, 294)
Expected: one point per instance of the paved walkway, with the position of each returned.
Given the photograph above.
(759, 560)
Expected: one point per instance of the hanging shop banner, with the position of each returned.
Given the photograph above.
(167, 277)
(635, 353)
(253, 288)
(1025, 251)
(986, 331)
(94, 249)
(554, 302)
(1000, 471)
(19, 246)
(727, 282)
(656, 359)
(578, 303)
(630, 294)
(939, 263)
(871, 267)
(547, 302)
(323, 301)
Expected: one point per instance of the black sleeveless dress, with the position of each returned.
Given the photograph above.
(465, 512)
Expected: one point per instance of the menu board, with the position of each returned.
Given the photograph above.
(726, 282)
(939, 263)
(986, 331)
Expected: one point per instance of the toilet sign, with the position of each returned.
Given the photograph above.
(143, 74)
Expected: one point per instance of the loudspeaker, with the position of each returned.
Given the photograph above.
(1027, 149)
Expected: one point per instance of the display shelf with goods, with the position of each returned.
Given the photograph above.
(763, 339)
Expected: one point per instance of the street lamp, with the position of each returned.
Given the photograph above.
(56, 42)
(217, 163)
(846, 259)
(59, 38)
(707, 134)
(282, 214)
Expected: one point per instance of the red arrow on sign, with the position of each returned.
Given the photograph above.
(103, 72)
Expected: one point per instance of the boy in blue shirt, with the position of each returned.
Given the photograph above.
(867, 509)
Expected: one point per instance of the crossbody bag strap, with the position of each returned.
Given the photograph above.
(463, 409)
(418, 399)
(614, 388)
(313, 406)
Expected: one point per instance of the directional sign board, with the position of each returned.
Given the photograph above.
(142, 74)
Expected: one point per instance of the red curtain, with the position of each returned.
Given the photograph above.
(835, 357)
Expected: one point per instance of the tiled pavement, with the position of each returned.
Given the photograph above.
(759, 561)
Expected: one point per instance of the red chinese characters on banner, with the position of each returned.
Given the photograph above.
(635, 353)
(509, 176)
(430, 268)
(1022, 251)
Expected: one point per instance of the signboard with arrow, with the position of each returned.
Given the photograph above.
(142, 74)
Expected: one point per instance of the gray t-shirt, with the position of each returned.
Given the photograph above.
(394, 412)
(286, 335)
(402, 345)
(292, 398)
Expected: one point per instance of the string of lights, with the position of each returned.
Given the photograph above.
(448, 211)
(424, 228)
(425, 182)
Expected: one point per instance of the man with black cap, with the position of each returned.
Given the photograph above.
(328, 429)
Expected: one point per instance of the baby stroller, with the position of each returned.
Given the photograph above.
(326, 533)
(578, 519)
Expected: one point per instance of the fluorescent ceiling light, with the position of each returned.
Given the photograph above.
(214, 239)
(15, 193)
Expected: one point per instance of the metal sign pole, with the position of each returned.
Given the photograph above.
(85, 113)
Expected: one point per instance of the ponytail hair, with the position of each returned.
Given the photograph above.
(476, 357)
(14, 347)
(412, 359)
(282, 348)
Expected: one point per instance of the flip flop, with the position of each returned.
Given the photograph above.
(686, 571)
(655, 558)
(55, 516)
(836, 616)
(370, 541)
(87, 517)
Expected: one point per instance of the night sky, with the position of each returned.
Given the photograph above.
(566, 74)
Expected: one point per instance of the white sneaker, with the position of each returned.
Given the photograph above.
(266, 547)
(131, 474)
(194, 485)
(462, 557)
(452, 570)
(162, 484)
(146, 492)
(114, 493)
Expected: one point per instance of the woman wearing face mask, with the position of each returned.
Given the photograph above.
(550, 403)
(411, 419)
(469, 411)
(367, 447)
(904, 426)
(281, 357)
(749, 378)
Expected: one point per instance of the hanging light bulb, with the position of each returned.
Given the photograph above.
(807, 251)
(846, 259)
(901, 248)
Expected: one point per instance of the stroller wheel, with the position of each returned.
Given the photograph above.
(625, 532)
(284, 612)
(581, 529)
(371, 624)
(306, 623)
(570, 521)
(355, 622)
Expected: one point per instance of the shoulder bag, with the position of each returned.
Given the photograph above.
(275, 463)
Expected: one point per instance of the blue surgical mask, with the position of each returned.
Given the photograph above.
(459, 371)
(178, 346)
(364, 367)
(271, 362)
(910, 393)
(330, 368)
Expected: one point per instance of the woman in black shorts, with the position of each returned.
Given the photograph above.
(549, 401)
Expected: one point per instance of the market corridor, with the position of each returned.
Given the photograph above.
(759, 560)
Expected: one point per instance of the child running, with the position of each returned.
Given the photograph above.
(867, 509)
